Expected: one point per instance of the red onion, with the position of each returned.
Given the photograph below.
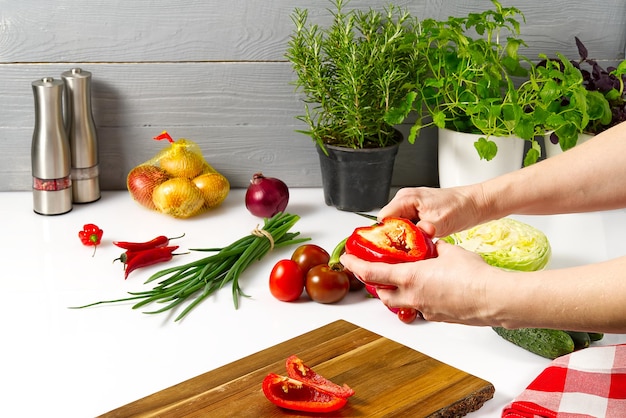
(266, 196)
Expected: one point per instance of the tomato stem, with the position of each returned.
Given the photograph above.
(333, 262)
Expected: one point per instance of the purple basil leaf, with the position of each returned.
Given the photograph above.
(605, 84)
(582, 50)
(597, 71)
(554, 138)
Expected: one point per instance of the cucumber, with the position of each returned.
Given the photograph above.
(548, 343)
(595, 336)
(581, 339)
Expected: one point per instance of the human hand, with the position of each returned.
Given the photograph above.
(438, 212)
(453, 287)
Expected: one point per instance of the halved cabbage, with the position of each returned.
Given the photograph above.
(506, 243)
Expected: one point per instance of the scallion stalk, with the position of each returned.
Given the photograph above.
(201, 278)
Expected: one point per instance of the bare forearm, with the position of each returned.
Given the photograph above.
(590, 176)
(459, 287)
(587, 298)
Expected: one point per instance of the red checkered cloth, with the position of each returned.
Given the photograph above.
(585, 383)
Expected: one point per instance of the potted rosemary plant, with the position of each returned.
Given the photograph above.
(350, 74)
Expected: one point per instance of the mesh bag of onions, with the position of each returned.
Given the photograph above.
(177, 181)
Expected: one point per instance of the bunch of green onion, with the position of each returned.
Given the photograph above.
(200, 279)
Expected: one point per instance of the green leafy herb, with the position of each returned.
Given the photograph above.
(606, 98)
(477, 81)
(352, 72)
(486, 149)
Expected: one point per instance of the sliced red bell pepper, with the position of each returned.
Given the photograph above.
(392, 240)
(299, 396)
(296, 369)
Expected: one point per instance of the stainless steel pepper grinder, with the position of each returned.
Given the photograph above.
(50, 150)
(82, 134)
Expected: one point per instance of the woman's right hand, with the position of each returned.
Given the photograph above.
(439, 212)
(453, 287)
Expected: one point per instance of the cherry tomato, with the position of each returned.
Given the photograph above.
(286, 280)
(355, 284)
(407, 315)
(325, 285)
(310, 255)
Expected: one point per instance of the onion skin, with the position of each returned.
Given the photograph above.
(182, 159)
(177, 181)
(266, 196)
(141, 182)
(214, 188)
(178, 197)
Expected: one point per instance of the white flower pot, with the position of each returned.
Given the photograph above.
(555, 149)
(459, 163)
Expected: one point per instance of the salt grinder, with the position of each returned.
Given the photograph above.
(81, 131)
(50, 150)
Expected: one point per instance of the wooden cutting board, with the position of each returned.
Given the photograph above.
(389, 379)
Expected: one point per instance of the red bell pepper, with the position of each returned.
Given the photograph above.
(91, 235)
(392, 240)
(296, 369)
(304, 390)
(299, 396)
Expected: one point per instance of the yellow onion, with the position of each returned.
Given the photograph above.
(214, 188)
(182, 159)
(178, 197)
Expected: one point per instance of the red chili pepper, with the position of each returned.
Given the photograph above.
(299, 396)
(138, 259)
(127, 256)
(160, 241)
(393, 240)
(296, 369)
(91, 235)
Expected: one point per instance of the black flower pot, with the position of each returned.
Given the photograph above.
(357, 180)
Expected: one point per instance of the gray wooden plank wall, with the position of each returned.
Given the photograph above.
(214, 72)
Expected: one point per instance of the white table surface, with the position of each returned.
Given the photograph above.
(58, 362)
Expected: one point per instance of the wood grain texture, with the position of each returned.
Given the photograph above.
(234, 152)
(241, 30)
(389, 380)
(214, 72)
(241, 114)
